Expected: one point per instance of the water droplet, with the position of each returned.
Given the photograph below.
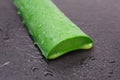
(111, 61)
(34, 69)
(29, 60)
(109, 76)
(92, 58)
(111, 72)
(35, 43)
(102, 69)
(23, 22)
(87, 46)
(0, 29)
(18, 12)
(48, 73)
(6, 38)
(40, 25)
(86, 64)
(43, 14)
(5, 64)
(37, 78)
(42, 41)
(73, 25)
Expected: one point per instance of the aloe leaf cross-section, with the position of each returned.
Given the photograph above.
(52, 31)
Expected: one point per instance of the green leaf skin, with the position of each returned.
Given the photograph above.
(51, 30)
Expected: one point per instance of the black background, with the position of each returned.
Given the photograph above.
(21, 60)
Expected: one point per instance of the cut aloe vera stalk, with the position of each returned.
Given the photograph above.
(51, 30)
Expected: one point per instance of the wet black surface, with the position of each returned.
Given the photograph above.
(21, 60)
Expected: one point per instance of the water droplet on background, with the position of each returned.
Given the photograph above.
(6, 38)
(92, 58)
(0, 29)
(112, 61)
(48, 73)
(34, 69)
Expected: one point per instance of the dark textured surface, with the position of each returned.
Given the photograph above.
(21, 60)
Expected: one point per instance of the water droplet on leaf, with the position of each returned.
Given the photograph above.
(18, 12)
